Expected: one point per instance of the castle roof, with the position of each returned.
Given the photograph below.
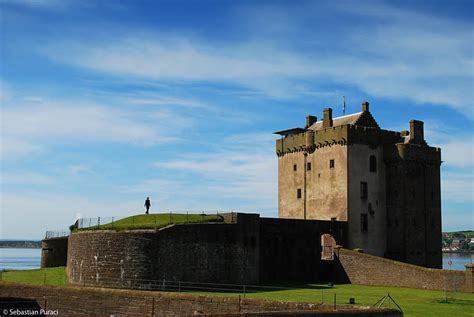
(363, 118)
(290, 131)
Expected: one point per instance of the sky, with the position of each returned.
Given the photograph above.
(104, 103)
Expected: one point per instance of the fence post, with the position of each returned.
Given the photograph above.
(187, 216)
(98, 222)
(334, 300)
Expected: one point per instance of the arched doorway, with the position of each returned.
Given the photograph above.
(328, 243)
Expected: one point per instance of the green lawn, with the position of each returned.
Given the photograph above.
(156, 221)
(48, 276)
(414, 302)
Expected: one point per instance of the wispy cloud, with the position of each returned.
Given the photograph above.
(237, 169)
(60, 210)
(24, 178)
(458, 153)
(458, 186)
(411, 55)
(30, 126)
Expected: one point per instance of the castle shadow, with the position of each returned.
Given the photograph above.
(23, 305)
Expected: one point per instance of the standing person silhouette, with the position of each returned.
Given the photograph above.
(147, 205)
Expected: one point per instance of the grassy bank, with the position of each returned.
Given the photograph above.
(154, 221)
(414, 302)
(48, 276)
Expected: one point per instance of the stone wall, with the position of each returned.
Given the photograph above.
(414, 204)
(290, 249)
(323, 188)
(246, 249)
(77, 301)
(359, 268)
(373, 207)
(211, 252)
(54, 252)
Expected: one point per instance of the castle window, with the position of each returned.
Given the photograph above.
(373, 164)
(363, 190)
(370, 210)
(308, 166)
(331, 163)
(364, 223)
(298, 193)
(295, 168)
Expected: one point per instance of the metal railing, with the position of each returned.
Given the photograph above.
(150, 220)
(327, 292)
(56, 234)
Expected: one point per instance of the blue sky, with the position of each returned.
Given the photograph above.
(105, 103)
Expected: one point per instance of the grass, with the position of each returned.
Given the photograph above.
(154, 221)
(46, 276)
(414, 302)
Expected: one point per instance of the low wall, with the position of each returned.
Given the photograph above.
(78, 301)
(54, 252)
(208, 252)
(360, 268)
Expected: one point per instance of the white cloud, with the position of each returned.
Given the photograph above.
(11, 147)
(29, 127)
(238, 169)
(458, 186)
(458, 153)
(24, 178)
(4, 91)
(38, 213)
(425, 59)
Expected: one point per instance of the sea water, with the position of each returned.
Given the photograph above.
(19, 258)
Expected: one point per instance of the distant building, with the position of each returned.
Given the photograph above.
(385, 184)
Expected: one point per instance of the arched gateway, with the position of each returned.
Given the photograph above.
(327, 244)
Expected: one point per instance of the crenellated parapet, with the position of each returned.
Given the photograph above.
(310, 140)
(412, 152)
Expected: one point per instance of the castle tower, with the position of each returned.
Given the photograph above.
(385, 184)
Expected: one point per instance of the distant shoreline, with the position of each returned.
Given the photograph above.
(458, 252)
(20, 244)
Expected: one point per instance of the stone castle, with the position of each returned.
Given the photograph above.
(384, 184)
(343, 183)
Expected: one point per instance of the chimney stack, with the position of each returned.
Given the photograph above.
(365, 106)
(416, 132)
(327, 118)
(310, 120)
